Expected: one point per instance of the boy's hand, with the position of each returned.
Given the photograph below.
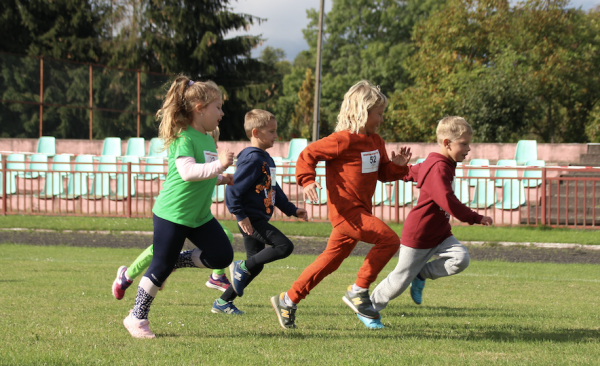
(310, 192)
(227, 179)
(487, 221)
(403, 156)
(302, 214)
(226, 157)
(246, 226)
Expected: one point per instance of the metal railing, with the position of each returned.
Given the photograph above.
(556, 196)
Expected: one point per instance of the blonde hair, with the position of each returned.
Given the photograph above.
(452, 128)
(215, 134)
(358, 102)
(181, 99)
(256, 118)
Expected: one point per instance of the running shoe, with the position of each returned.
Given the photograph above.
(285, 314)
(121, 283)
(221, 284)
(360, 303)
(371, 323)
(227, 308)
(138, 328)
(239, 277)
(416, 290)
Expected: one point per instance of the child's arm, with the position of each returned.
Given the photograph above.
(288, 208)
(324, 149)
(439, 187)
(246, 175)
(190, 171)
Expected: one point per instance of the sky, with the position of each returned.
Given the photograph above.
(287, 18)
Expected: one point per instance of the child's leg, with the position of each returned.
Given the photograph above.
(278, 246)
(140, 263)
(213, 247)
(370, 229)
(338, 248)
(410, 262)
(219, 272)
(454, 258)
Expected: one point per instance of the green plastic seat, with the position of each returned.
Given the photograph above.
(478, 173)
(61, 168)
(101, 180)
(156, 146)
(380, 194)
(111, 146)
(526, 151)
(461, 190)
(15, 163)
(122, 190)
(294, 150)
(155, 156)
(419, 161)
(513, 195)
(405, 191)
(499, 174)
(77, 185)
(38, 164)
(485, 194)
(532, 183)
(46, 145)
(136, 146)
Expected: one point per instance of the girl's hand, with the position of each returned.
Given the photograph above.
(310, 192)
(227, 179)
(226, 157)
(403, 156)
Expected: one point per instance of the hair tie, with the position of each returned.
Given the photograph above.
(191, 83)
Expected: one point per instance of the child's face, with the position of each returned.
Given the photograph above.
(374, 119)
(266, 136)
(211, 115)
(458, 149)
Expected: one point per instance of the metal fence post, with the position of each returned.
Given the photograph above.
(4, 195)
(543, 196)
(129, 196)
(41, 95)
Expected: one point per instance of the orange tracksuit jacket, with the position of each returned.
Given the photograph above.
(354, 163)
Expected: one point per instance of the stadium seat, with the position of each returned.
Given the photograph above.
(526, 151)
(136, 146)
(16, 164)
(278, 169)
(419, 161)
(111, 146)
(102, 178)
(380, 194)
(461, 190)
(219, 191)
(485, 194)
(46, 145)
(155, 156)
(61, 167)
(122, 191)
(480, 173)
(156, 148)
(513, 195)
(322, 180)
(405, 190)
(294, 150)
(38, 163)
(532, 183)
(499, 174)
(78, 181)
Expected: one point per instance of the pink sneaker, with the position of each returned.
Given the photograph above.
(221, 284)
(121, 283)
(138, 328)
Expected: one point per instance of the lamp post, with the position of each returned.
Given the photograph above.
(317, 103)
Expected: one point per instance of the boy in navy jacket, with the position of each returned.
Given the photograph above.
(252, 199)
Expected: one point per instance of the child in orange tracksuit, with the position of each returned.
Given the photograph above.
(355, 159)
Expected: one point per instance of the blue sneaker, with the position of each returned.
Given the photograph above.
(239, 277)
(416, 290)
(227, 308)
(371, 323)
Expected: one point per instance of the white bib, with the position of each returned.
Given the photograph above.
(370, 161)
(273, 176)
(210, 156)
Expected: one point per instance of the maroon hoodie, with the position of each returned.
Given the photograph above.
(428, 223)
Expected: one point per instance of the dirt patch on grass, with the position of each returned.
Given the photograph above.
(302, 245)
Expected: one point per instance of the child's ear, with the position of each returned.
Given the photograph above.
(446, 143)
(254, 132)
(198, 107)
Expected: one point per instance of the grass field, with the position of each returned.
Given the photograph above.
(56, 308)
(542, 234)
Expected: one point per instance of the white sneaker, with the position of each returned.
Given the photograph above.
(138, 328)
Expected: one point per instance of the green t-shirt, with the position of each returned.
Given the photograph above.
(181, 202)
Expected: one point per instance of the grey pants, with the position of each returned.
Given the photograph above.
(454, 258)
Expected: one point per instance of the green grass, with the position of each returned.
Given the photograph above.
(541, 234)
(56, 308)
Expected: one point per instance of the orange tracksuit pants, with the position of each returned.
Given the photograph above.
(342, 241)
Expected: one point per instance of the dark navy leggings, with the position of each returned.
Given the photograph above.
(168, 241)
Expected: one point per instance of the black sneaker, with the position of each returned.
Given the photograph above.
(285, 314)
(360, 303)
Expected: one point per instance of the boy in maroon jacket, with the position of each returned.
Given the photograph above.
(427, 230)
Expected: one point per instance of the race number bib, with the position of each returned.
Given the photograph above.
(210, 156)
(273, 176)
(370, 161)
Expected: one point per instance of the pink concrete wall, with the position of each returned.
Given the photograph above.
(554, 154)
